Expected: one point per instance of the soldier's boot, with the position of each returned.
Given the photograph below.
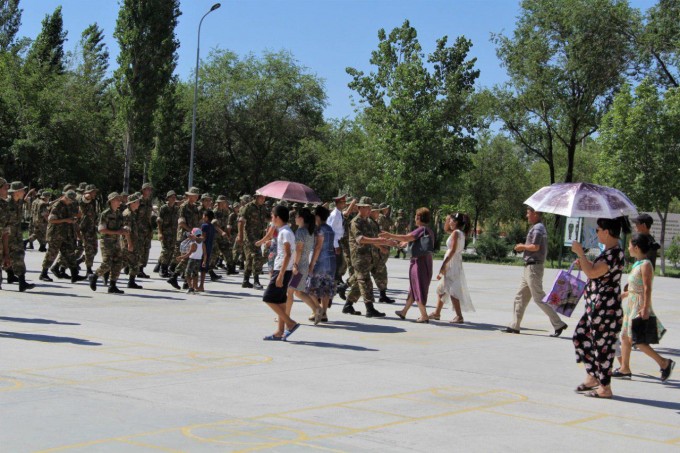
(383, 297)
(141, 273)
(256, 282)
(44, 277)
(371, 312)
(246, 281)
(173, 281)
(231, 270)
(23, 285)
(348, 309)
(26, 241)
(0, 278)
(55, 270)
(80, 260)
(213, 276)
(93, 281)
(164, 271)
(89, 271)
(75, 277)
(132, 284)
(396, 255)
(220, 263)
(43, 247)
(11, 278)
(157, 267)
(172, 267)
(185, 285)
(113, 289)
(126, 270)
(106, 278)
(63, 272)
(342, 291)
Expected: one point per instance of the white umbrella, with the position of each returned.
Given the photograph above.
(582, 200)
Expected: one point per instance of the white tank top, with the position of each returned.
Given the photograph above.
(198, 254)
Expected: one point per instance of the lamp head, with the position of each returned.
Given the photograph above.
(215, 6)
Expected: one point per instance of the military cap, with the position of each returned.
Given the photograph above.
(350, 199)
(124, 194)
(112, 196)
(71, 194)
(171, 193)
(365, 202)
(16, 186)
(283, 203)
(133, 198)
(375, 207)
(206, 196)
(68, 187)
(139, 194)
(384, 206)
(46, 193)
(342, 197)
(193, 191)
(259, 194)
(246, 198)
(221, 198)
(147, 185)
(401, 211)
(236, 205)
(295, 206)
(90, 188)
(81, 187)
(3, 181)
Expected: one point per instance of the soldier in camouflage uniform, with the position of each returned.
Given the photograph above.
(64, 263)
(145, 228)
(16, 273)
(400, 226)
(239, 254)
(167, 229)
(380, 256)
(362, 239)
(131, 246)
(252, 224)
(60, 237)
(89, 222)
(39, 214)
(188, 219)
(236, 248)
(110, 228)
(223, 244)
(31, 200)
(349, 214)
(4, 229)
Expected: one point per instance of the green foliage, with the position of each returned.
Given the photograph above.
(565, 60)
(419, 122)
(490, 246)
(10, 21)
(658, 43)
(47, 52)
(673, 252)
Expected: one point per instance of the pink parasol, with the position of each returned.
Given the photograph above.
(289, 191)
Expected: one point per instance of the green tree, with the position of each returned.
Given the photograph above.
(565, 59)
(418, 115)
(658, 42)
(253, 115)
(10, 21)
(640, 137)
(47, 51)
(145, 31)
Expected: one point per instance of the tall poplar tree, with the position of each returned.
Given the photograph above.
(145, 31)
(10, 21)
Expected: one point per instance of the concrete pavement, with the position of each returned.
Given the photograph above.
(157, 369)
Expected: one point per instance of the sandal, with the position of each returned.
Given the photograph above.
(272, 338)
(457, 320)
(618, 374)
(434, 316)
(422, 321)
(585, 388)
(594, 394)
(398, 313)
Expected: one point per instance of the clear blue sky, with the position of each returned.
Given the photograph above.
(326, 36)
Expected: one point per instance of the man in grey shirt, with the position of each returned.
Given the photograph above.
(535, 251)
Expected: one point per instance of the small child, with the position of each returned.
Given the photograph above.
(197, 258)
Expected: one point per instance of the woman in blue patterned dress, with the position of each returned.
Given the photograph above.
(321, 283)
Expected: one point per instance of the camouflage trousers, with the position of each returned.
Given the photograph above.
(168, 245)
(90, 247)
(237, 252)
(344, 262)
(182, 265)
(64, 247)
(112, 259)
(16, 255)
(254, 259)
(379, 269)
(222, 248)
(38, 233)
(145, 238)
(360, 282)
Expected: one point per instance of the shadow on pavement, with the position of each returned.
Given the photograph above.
(668, 351)
(320, 344)
(358, 327)
(47, 293)
(148, 296)
(469, 325)
(47, 338)
(226, 293)
(653, 403)
(38, 321)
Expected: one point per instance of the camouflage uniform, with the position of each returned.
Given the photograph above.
(88, 228)
(16, 238)
(112, 259)
(223, 245)
(189, 212)
(131, 259)
(39, 213)
(61, 236)
(144, 227)
(254, 218)
(362, 260)
(237, 247)
(379, 268)
(167, 228)
(400, 226)
(4, 225)
(76, 246)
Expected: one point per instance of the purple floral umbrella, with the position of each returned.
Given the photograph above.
(582, 200)
(289, 191)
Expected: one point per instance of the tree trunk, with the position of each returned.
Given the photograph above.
(128, 160)
(571, 152)
(662, 239)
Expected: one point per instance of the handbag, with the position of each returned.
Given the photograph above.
(424, 245)
(645, 331)
(566, 292)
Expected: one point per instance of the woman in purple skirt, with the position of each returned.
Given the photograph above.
(420, 270)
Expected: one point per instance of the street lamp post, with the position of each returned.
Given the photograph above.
(193, 121)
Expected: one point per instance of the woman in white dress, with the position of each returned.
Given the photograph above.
(451, 276)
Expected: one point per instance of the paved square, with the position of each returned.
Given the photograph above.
(157, 369)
